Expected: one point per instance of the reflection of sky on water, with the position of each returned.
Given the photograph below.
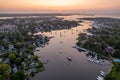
(57, 51)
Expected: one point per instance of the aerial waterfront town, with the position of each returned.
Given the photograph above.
(19, 42)
(59, 39)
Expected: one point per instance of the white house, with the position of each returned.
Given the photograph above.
(10, 47)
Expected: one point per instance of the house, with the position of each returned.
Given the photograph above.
(32, 65)
(84, 41)
(1, 59)
(8, 28)
(24, 65)
(29, 56)
(2, 48)
(7, 61)
(21, 53)
(15, 69)
(10, 47)
(109, 49)
(5, 40)
(23, 49)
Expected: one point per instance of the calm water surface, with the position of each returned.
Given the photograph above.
(56, 53)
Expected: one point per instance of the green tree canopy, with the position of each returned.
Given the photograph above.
(12, 57)
(4, 71)
(19, 75)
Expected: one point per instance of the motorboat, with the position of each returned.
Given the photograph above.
(69, 58)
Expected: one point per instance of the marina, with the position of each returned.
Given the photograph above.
(101, 75)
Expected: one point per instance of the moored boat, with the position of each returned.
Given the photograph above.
(69, 58)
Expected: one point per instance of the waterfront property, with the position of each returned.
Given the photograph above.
(104, 41)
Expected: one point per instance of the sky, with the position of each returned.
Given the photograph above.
(16, 6)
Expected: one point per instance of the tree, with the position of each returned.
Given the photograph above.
(5, 55)
(18, 61)
(117, 53)
(19, 45)
(12, 57)
(19, 75)
(34, 57)
(108, 77)
(28, 51)
(4, 71)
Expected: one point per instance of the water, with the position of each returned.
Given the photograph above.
(57, 51)
(6, 17)
(117, 60)
(72, 16)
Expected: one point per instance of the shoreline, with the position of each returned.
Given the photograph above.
(101, 31)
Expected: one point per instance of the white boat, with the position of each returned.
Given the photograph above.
(100, 78)
(103, 74)
(69, 58)
(45, 62)
(37, 49)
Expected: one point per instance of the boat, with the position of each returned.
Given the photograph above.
(45, 62)
(37, 49)
(100, 78)
(103, 74)
(69, 58)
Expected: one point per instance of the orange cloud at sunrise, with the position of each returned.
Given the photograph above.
(37, 5)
